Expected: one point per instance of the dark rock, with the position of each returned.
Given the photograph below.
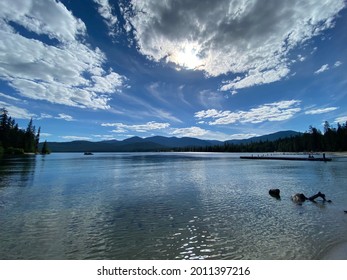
(299, 198)
(275, 193)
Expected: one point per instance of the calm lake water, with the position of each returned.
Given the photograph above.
(168, 206)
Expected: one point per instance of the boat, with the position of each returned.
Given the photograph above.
(88, 153)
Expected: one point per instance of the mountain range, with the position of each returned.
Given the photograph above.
(155, 143)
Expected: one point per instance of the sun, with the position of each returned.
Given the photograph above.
(187, 56)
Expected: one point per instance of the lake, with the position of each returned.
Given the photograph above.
(168, 206)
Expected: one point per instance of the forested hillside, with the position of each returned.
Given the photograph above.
(14, 140)
(333, 139)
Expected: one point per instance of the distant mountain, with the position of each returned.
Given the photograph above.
(104, 146)
(175, 142)
(155, 143)
(268, 137)
(134, 139)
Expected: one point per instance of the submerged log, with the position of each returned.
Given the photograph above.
(300, 197)
(319, 194)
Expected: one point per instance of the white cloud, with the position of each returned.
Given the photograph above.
(107, 83)
(241, 136)
(61, 116)
(200, 133)
(56, 72)
(321, 111)
(47, 17)
(75, 138)
(337, 63)
(211, 113)
(160, 113)
(44, 116)
(105, 10)
(65, 117)
(193, 131)
(301, 58)
(252, 39)
(9, 97)
(255, 77)
(104, 136)
(277, 111)
(16, 112)
(43, 134)
(341, 120)
(121, 128)
(324, 68)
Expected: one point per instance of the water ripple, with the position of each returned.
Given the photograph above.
(168, 206)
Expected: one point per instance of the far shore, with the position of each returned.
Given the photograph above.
(340, 154)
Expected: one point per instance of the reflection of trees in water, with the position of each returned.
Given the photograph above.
(17, 171)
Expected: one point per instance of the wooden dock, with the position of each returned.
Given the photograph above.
(287, 158)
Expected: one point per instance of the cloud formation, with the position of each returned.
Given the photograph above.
(121, 127)
(251, 39)
(320, 111)
(240, 136)
(326, 67)
(277, 111)
(198, 132)
(75, 138)
(62, 70)
(105, 10)
(48, 17)
(337, 63)
(193, 131)
(65, 117)
(61, 116)
(16, 112)
(341, 120)
(9, 97)
(323, 68)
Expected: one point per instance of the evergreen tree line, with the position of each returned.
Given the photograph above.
(14, 140)
(313, 140)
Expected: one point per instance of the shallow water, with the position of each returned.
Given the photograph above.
(168, 206)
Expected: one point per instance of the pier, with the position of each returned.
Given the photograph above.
(308, 158)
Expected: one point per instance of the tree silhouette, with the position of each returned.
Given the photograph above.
(14, 140)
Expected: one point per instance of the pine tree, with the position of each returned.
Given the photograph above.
(4, 128)
(45, 150)
(14, 140)
(29, 143)
(37, 140)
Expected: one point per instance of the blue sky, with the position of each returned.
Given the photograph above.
(104, 69)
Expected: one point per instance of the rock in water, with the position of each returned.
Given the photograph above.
(274, 193)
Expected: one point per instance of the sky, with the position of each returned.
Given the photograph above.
(219, 70)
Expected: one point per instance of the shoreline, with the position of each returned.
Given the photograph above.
(336, 252)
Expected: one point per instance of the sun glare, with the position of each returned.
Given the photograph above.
(187, 56)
